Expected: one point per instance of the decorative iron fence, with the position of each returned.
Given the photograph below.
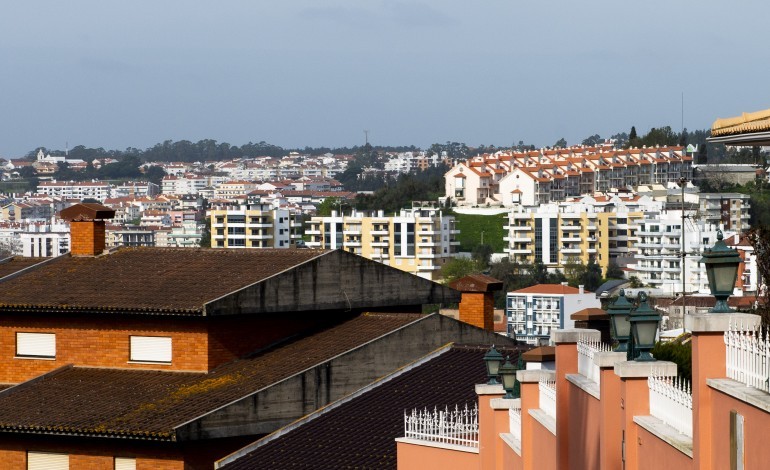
(586, 349)
(748, 357)
(458, 427)
(671, 402)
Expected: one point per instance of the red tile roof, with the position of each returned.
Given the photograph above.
(549, 289)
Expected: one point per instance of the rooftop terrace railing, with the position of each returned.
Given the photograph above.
(586, 350)
(748, 357)
(671, 402)
(456, 427)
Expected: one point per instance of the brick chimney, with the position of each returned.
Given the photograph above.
(87, 228)
(477, 305)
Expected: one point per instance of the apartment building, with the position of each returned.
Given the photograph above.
(535, 311)
(253, 225)
(600, 227)
(76, 189)
(659, 254)
(553, 175)
(419, 240)
(729, 210)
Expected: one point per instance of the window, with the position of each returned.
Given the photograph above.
(47, 461)
(150, 349)
(125, 463)
(38, 345)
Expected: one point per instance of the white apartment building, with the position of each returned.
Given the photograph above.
(658, 253)
(729, 210)
(45, 240)
(419, 240)
(254, 225)
(186, 184)
(76, 189)
(534, 312)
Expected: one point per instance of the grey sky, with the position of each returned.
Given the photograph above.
(309, 72)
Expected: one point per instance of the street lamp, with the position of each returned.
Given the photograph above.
(493, 359)
(619, 311)
(722, 270)
(644, 326)
(507, 373)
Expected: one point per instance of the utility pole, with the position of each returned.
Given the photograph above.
(682, 182)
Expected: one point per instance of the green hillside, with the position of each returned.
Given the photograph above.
(472, 226)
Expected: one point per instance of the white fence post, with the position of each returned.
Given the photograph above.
(548, 396)
(747, 357)
(514, 415)
(586, 350)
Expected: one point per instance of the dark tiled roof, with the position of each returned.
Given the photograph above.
(149, 404)
(168, 280)
(361, 433)
(16, 264)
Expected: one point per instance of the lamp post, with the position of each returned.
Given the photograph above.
(493, 359)
(644, 327)
(722, 270)
(507, 373)
(619, 311)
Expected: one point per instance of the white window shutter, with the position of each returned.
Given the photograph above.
(47, 461)
(36, 344)
(125, 463)
(150, 349)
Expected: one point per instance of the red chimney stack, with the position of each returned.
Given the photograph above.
(87, 228)
(477, 305)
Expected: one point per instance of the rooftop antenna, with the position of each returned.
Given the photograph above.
(66, 149)
(683, 112)
(366, 136)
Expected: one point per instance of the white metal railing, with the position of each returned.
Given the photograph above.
(548, 396)
(586, 348)
(458, 427)
(514, 418)
(671, 402)
(748, 357)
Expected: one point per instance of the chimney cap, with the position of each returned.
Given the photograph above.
(87, 211)
(477, 283)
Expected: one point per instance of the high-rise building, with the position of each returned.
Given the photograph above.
(254, 225)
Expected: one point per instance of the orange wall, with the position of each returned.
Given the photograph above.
(511, 460)
(544, 448)
(417, 457)
(611, 420)
(655, 453)
(584, 446)
(756, 426)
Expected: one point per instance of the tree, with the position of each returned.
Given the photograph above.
(614, 271)
(205, 241)
(759, 237)
(482, 254)
(457, 268)
(632, 137)
(155, 174)
(592, 277)
(324, 209)
(592, 140)
(561, 143)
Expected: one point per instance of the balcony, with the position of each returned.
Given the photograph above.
(355, 231)
(520, 228)
(353, 243)
(430, 243)
(254, 225)
(569, 251)
(571, 238)
(378, 232)
(570, 227)
(312, 232)
(519, 251)
(383, 244)
(521, 239)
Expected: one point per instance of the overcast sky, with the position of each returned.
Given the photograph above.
(309, 72)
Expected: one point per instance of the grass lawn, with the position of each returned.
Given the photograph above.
(472, 226)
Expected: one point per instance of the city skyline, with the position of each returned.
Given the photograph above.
(412, 73)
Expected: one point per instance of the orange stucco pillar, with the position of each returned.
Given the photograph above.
(708, 362)
(566, 363)
(530, 400)
(488, 433)
(611, 416)
(500, 409)
(635, 400)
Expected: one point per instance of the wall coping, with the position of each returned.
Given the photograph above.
(637, 369)
(486, 389)
(512, 442)
(504, 403)
(438, 445)
(609, 358)
(666, 433)
(548, 421)
(533, 376)
(572, 335)
(585, 384)
(742, 392)
(719, 322)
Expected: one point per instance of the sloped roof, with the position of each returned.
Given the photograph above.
(361, 432)
(185, 281)
(150, 404)
(549, 289)
(745, 123)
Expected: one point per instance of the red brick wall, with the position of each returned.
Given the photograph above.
(87, 237)
(198, 344)
(99, 454)
(478, 309)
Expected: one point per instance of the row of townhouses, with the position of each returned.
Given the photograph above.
(542, 176)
